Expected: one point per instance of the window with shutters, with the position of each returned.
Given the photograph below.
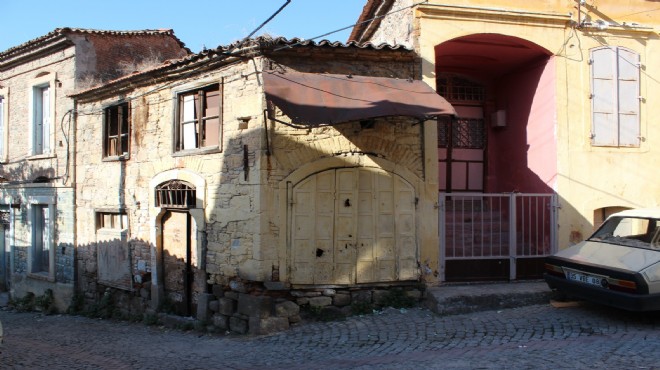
(3, 126)
(615, 97)
(199, 119)
(116, 131)
(41, 120)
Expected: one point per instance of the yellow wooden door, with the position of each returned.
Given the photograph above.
(353, 225)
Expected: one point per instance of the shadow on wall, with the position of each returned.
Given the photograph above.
(26, 173)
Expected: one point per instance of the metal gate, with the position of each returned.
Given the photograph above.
(495, 236)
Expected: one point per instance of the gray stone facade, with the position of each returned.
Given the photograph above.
(37, 170)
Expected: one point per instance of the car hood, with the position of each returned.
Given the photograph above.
(611, 255)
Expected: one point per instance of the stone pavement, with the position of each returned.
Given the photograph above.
(538, 336)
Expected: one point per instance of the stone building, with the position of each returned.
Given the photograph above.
(37, 146)
(256, 178)
(555, 127)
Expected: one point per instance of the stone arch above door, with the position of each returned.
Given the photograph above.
(350, 225)
(197, 181)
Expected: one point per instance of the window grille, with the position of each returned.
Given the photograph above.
(459, 89)
(465, 133)
(176, 194)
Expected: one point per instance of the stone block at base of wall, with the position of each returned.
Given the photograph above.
(254, 306)
(221, 321)
(238, 325)
(269, 325)
(226, 306)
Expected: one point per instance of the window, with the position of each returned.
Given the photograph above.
(41, 120)
(615, 97)
(198, 120)
(111, 220)
(2, 128)
(115, 131)
(176, 194)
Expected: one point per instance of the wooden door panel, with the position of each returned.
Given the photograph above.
(174, 257)
(405, 230)
(349, 226)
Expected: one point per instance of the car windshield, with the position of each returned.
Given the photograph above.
(630, 231)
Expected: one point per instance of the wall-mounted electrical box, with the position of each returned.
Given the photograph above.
(498, 119)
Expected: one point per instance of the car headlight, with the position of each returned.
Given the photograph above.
(652, 273)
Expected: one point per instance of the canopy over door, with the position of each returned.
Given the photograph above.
(325, 99)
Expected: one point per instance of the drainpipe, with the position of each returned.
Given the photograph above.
(72, 163)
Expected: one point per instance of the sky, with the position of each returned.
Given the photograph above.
(199, 24)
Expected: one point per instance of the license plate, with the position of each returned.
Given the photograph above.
(585, 278)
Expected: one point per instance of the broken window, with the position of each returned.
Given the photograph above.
(615, 73)
(115, 131)
(199, 118)
(111, 220)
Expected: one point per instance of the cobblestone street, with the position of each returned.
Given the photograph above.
(538, 337)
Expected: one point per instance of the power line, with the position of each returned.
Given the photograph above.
(353, 25)
(258, 28)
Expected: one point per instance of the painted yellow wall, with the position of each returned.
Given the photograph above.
(589, 177)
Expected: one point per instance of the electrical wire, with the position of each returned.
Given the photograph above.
(353, 25)
(258, 28)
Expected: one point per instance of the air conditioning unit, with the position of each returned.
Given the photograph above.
(498, 119)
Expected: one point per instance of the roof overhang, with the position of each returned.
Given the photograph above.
(311, 99)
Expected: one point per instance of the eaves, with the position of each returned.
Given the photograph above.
(33, 52)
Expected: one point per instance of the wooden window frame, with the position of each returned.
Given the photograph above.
(619, 121)
(117, 144)
(199, 119)
(3, 126)
(115, 220)
(42, 237)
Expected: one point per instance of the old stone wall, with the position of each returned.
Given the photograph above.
(237, 188)
(397, 28)
(22, 168)
(229, 176)
(107, 56)
(61, 70)
(58, 70)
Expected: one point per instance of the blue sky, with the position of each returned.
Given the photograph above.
(201, 23)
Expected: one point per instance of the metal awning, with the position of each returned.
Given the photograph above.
(311, 99)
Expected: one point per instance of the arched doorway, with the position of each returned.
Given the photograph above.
(182, 278)
(497, 158)
(351, 226)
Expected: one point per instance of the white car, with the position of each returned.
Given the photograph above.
(619, 265)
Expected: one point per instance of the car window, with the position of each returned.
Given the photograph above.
(629, 231)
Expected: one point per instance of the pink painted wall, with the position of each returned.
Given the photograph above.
(522, 156)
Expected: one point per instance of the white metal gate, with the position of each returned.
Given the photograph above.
(479, 226)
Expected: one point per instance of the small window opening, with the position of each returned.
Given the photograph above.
(176, 194)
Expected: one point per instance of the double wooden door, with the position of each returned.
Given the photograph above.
(352, 225)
